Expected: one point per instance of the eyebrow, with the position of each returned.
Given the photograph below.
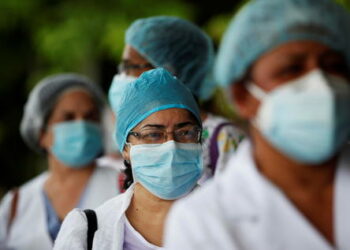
(179, 125)
(183, 124)
(292, 58)
(152, 126)
(126, 61)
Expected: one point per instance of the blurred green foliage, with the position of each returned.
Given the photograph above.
(345, 3)
(41, 37)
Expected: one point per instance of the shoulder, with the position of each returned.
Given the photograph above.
(114, 208)
(194, 221)
(73, 232)
(200, 221)
(34, 183)
(26, 191)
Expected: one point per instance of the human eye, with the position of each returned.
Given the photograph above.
(92, 116)
(336, 65)
(68, 116)
(290, 70)
(152, 136)
(186, 135)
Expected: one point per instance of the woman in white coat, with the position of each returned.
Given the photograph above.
(158, 131)
(187, 52)
(286, 64)
(62, 121)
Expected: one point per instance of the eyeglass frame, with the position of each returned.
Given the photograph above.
(125, 67)
(199, 130)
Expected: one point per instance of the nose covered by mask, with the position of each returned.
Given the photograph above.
(76, 143)
(169, 170)
(307, 119)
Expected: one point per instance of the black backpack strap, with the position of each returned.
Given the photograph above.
(92, 226)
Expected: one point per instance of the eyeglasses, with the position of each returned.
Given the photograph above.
(126, 67)
(187, 134)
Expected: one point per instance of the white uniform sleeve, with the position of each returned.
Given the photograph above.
(179, 230)
(196, 222)
(228, 139)
(186, 229)
(5, 207)
(73, 232)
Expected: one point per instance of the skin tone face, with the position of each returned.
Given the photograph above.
(309, 188)
(286, 63)
(147, 212)
(132, 57)
(65, 185)
(74, 105)
(168, 119)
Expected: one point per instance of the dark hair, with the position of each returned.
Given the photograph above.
(128, 175)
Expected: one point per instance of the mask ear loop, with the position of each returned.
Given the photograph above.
(259, 94)
(256, 91)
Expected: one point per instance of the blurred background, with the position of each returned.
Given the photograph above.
(42, 37)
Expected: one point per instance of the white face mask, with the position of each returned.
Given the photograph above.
(307, 119)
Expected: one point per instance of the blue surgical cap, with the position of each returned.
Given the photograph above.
(264, 24)
(178, 46)
(153, 91)
(43, 98)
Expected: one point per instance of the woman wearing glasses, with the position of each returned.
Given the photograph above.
(187, 52)
(158, 131)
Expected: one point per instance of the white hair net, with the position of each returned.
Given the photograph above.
(43, 98)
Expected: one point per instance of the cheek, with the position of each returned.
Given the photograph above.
(47, 140)
(126, 154)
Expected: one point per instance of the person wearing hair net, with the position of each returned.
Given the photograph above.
(187, 52)
(290, 78)
(159, 136)
(61, 121)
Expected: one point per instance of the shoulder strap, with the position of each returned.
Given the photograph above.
(92, 226)
(13, 211)
(213, 145)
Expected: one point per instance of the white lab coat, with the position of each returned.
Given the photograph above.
(243, 210)
(110, 220)
(29, 229)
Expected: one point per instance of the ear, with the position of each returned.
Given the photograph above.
(126, 153)
(45, 139)
(246, 104)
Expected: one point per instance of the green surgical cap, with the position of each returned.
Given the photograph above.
(264, 24)
(178, 46)
(153, 91)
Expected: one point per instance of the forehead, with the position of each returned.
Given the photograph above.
(131, 54)
(301, 49)
(168, 118)
(77, 98)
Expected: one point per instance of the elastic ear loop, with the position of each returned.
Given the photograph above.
(259, 94)
(256, 91)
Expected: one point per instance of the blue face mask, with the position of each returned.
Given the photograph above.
(114, 92)
(76, 143)
(307, 119)
(169, 170)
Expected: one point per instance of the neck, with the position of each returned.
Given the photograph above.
(147, 214)
(289, 174)
(64, 185)
(60, 173)
(149, 203)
